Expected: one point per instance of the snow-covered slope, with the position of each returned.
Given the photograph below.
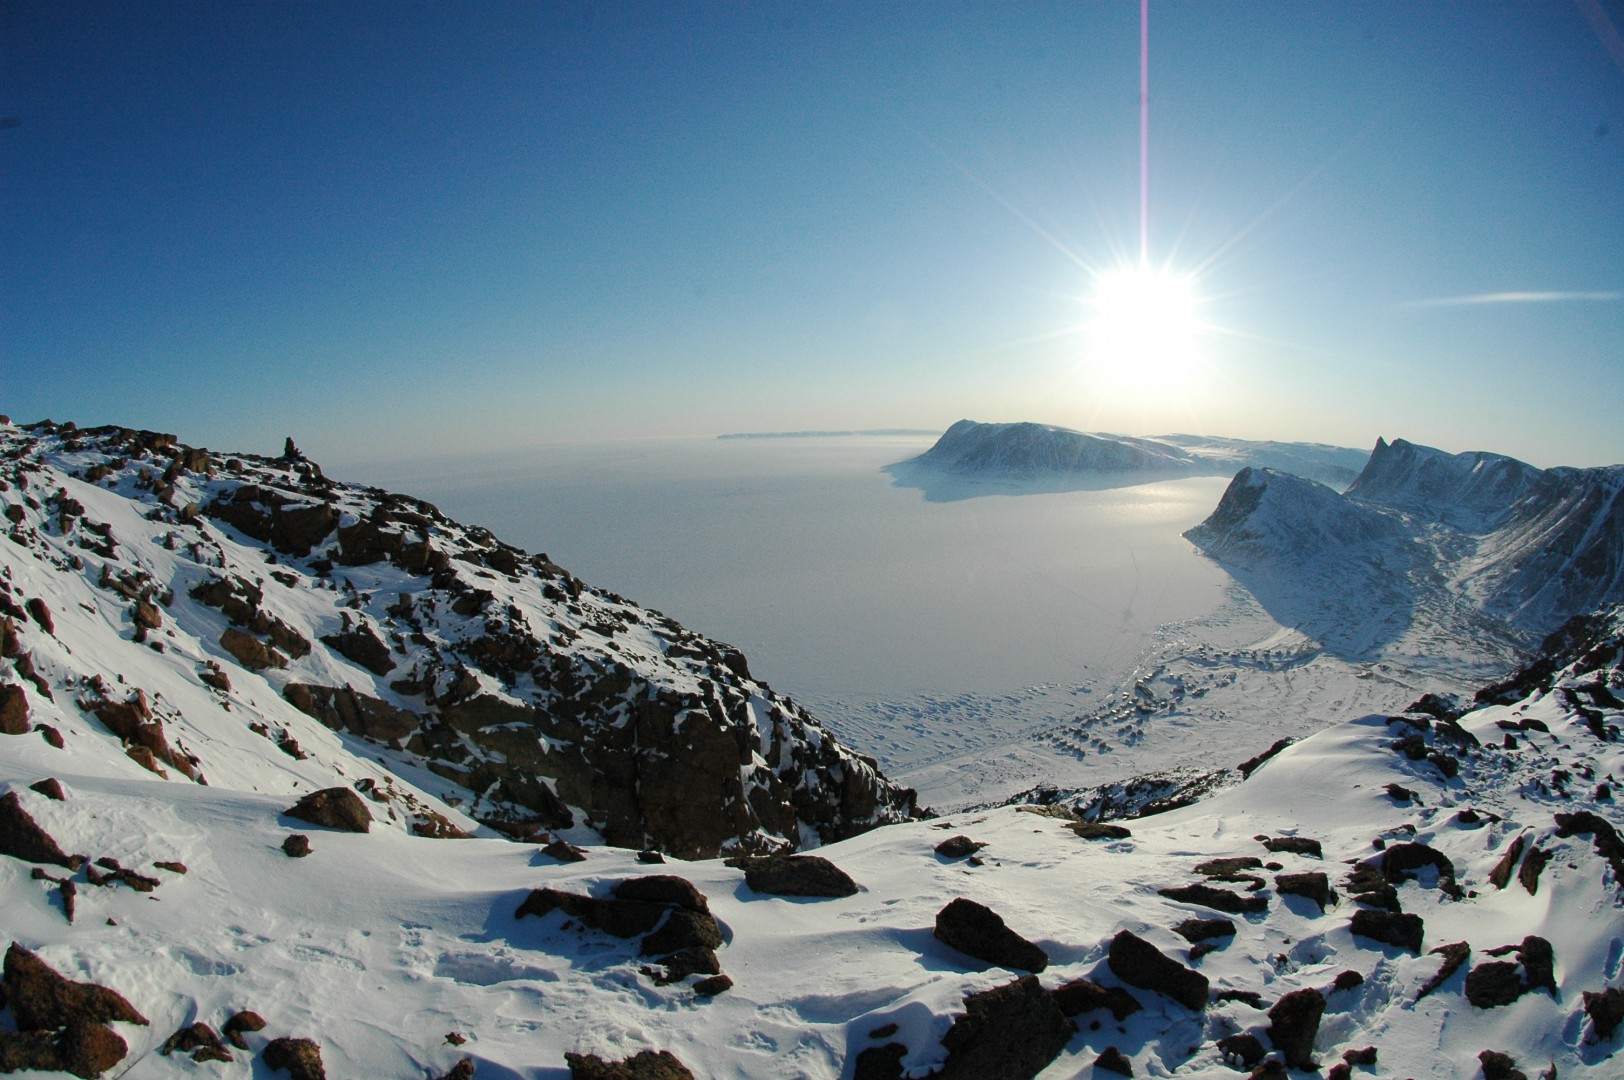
(1044, 452)
(1463, 546)
(195, 608)
(1435, 885)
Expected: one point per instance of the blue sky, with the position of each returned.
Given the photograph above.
(407, 228)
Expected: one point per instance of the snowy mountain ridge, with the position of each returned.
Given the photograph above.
(227, 594)
(1477, 546)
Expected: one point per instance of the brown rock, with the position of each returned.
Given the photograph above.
(1112, 1060)
(199, 1040)
(1194, 930)
(1493, 984)
(1500, 1066)
(41, 615)
(1243, 1050)
(1293, 1023)
(50, 787)
(1606, 1010)
(644, 1065)
(88, 1049)
(1390, 928)
(13, 710)
(22, 838)
(1500, 876)
(1094, 830)
(622, 918)
(564, 851)
(335, 807)
(1534, 865)
(683, 929)
(957, 847)
(1084, 995)
(696, 960)
(1454, 954)
(1011, 1032)
(345, 709)
(239, 1023)
(51, 735)
(147, 615)
(42, 1000)
(363, 646)
(795, 875)
(300, 1057)
(716, 984)
(462, 1070)
(1139, 963)
(1315, 886)
(978, 931)
(663, 889)
(296, 846)
(1297, 845)
(249, 651)
(1220, 899)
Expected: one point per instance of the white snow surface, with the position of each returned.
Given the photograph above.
(378, 945)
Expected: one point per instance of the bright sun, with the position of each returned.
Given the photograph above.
(1145, 326)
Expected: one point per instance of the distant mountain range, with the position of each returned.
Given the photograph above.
(1053, 456)
(1472, 537)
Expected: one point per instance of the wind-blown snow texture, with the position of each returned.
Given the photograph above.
(1492, 828)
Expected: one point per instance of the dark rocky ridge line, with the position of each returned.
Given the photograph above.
(548, 702)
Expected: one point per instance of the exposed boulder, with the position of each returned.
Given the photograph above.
(296, 846)
(1493, 984)
(1242, 1050)
(42, 1000)
(643, 1065)
(1084, 995)
(1455, 954)
(1297, 845)
(1094, 830)
(21, 837)
(1194, 930)
(979, 932)
(197, 1040)
(1605, 1009)
(663, 889)
(13, 710)
(239, 1023)
(249, 651)
(1220, 899)
(957, 847)
(1293, 1023)
(1315, 886)
(1010, 1032)
(795, 875)
(363, 646)
(300, 1057)
(335, 807)
(1139, 963)
(1112, 1060)
(1500, 1066)
(1390, 928)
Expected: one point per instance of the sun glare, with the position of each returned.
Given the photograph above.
(1145, 325)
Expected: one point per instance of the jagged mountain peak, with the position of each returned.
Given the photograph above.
(258, 592)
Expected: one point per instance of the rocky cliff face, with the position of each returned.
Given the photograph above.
(225, 593)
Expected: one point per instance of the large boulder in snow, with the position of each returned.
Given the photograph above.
(1139, 963)
(1011, 1032)
(795, 875)
(976, 930)
(335, 807)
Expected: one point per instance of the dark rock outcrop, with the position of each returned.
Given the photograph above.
(1112, 1060)
(1293, 1023)
(643, 1065)
(957, 847)
(22, 838)
(980, 932)
(1216, 898)
(1390, 928)
(1139, 963)
(795, 875)
(13, 710)
(1011, 1032)
(239, 1024)
(1313, 885)
(61, 1024)
(1084, 995)
(1493, 984)
(301, 1058)
(335, 807)
(1605, 1009)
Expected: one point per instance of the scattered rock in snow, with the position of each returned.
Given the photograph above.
(249, 651)
(978, 931)
(335, 807)
(240, 1022)
(1390, 928)
(683, 929)
(794, 875)
(1243, 1050)
(21, 836)
(1293, 1023)
(1084, 995)
(957, 847)
(644, 1065)
(1500, 876)
(564, 851)
(1296, 845)
(1219, 899)
(462, 1070)
(1314, 885)
(1454, 954)
(13, 710)
(40, 614)
(694, 960)
(1011, 1032)
(1094, 830)
(198, 1040)
(1605, 1009)
(50, 787)
(663, 889)
(300, 1057)
(1493, 984)
(1500, 1066)
(1139, 963)
(716, 984)
(621, 918)
(296, 846)
(1196, 930)
(1602, 834)
(60, 1024)
(1112, 1060)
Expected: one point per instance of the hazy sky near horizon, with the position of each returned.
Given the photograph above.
(411, 228)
